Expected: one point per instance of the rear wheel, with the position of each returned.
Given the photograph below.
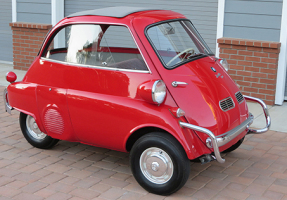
(159, 163)
(235, 146)
(33, 134)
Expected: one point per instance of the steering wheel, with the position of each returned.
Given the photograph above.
(184, 51)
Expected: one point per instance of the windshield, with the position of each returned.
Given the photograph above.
(177, 42)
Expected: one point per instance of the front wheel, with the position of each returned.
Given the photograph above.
(159, 163)
(33, 134)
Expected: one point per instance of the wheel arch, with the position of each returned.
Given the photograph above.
(187, 139)
(148, 129)
(22, 97)
(139, 133)
(37, 118)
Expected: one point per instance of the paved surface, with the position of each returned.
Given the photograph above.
(278, 116)
(257, 170)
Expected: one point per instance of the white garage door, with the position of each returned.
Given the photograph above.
(286, 86)
(6, 52)
(203, 13)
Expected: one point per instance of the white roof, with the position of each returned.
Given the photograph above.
(118, 11)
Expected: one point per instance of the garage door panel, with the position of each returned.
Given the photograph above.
(6, 51)
(203, 14)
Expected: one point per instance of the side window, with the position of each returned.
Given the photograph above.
(96, 45)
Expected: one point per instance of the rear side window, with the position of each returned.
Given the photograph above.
(96, 45)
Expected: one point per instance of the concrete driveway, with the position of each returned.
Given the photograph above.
(257, 170)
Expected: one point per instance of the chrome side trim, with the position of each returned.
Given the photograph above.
(94, 66)
(266, 113)
(8, 108)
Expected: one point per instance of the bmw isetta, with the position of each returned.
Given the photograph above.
(135, 80)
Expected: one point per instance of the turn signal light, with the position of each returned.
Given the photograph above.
(224, 64)
(177, 112)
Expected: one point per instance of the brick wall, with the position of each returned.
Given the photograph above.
(27, 40)
(253, 65)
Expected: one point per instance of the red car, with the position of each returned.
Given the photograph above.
(134, 80)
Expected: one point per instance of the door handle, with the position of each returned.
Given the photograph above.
(176, 83)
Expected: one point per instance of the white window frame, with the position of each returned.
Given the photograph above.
(281, 71)
(57, 7)
(220, 23)
(14, 11)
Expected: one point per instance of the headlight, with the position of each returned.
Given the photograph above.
(158, 91)
(224, 64)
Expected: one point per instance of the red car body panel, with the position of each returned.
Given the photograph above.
(200, 98)
(105, 107)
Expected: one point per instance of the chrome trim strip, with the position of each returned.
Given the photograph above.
(266, 113)
(8, 108)
(95, 67)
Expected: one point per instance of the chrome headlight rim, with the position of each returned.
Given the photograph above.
(154, 87)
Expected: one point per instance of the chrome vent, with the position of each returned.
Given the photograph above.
(226, 104)
(239, 97)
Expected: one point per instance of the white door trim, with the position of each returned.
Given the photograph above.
(58, 14)
(220, 23)
(281, 71)
(14, 11)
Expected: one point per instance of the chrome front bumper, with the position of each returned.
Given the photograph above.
(217, 141)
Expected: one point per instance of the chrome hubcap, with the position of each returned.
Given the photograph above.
(33, 128)
(156, 165)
